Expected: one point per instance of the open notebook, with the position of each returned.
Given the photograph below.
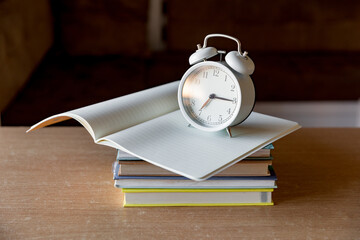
(149, 125)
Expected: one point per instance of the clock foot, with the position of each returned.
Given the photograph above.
(228, 130)
(189, 125)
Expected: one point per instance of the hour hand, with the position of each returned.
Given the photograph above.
(206, 103)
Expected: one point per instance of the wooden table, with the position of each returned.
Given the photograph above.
(56, 183)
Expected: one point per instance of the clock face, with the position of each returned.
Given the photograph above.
(210, 96)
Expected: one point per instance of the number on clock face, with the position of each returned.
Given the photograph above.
(210, 96)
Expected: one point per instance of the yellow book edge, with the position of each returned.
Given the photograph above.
(155, 190)
(199, 204)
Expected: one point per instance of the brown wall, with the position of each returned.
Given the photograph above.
(111, 27)
(25, 37)
(303, 50)
(97, 27)
(264, 25)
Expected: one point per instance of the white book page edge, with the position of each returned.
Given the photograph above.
(120, 113)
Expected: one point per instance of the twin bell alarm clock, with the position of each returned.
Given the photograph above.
(217, 95)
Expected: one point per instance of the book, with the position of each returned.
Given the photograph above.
(263, 153)
(183, 182)
(149, 125)
(196, 197)
(166, 182)
(254, 165)
(242, 168)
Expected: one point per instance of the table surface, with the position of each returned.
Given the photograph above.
(56, 183)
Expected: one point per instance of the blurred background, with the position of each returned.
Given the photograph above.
(56, 56)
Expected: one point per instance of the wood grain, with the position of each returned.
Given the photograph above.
(57, 184)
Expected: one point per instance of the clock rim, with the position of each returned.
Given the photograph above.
(236, 112)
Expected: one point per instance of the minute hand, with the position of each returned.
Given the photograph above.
(225, 99)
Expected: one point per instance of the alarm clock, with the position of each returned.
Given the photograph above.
(217, 95)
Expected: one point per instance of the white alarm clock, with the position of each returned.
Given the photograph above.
(213, 95)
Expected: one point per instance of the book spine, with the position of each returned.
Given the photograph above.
(199, 204)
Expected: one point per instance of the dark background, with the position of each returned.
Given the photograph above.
(98, 50)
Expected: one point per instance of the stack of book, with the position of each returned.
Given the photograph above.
(149, 124)
(248, 182)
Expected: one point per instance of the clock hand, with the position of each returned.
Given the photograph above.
(211, 96)
(220, 98)
(206, 103)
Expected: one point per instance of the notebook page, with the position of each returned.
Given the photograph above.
(168, 142)
(123, 112)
